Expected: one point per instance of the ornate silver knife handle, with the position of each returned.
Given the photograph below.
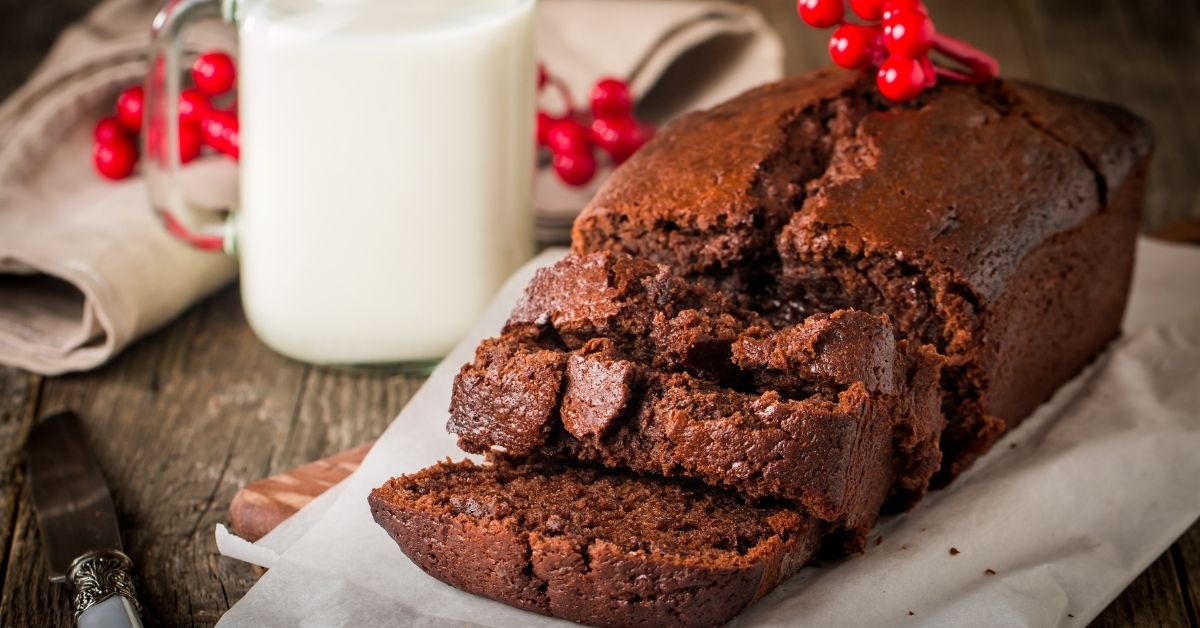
(102, 591)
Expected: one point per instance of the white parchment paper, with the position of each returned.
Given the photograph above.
(1066, 510)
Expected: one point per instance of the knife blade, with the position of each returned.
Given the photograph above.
(78, 522)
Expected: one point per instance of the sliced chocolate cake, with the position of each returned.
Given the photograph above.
(595, 547)
(780, 316)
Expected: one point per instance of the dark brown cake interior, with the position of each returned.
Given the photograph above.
(613, 361)
(637, 514)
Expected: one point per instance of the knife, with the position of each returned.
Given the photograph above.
(79, 525)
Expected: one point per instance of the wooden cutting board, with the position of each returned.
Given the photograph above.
(262, 505)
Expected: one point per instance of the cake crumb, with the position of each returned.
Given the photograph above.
(924, 529)
(904, 546)
(878, 540)
(910, 613)
(990, 572)
(954, 551)
(1070, 615)
(1012, 445)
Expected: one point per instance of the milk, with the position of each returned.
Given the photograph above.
(386, 155)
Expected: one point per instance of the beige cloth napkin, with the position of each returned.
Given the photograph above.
(85, 268)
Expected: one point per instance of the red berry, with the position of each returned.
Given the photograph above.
(130, 105)
(619, 137)
(108, 129)
(233, 143)
(607, 132)
(220, 131)
(568, 136)
(855, 46)
(610, 97)
(193, 106)
(634, 139)
(189, 142)
(900, 78)
(544, 123)
(542, 76)
(214, 73)
(892, 8)
(213, 126)
(821, 13)
(115, 159)
(870, 10)
(576, 168)
(909, 34)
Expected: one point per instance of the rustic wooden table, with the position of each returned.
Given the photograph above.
(185, 417)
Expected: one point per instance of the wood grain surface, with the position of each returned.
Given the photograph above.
(189, 415)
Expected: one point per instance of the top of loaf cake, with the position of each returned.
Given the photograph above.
(966, 177)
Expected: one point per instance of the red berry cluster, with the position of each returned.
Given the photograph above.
(201, 121)
(573, 137)
(897, 39)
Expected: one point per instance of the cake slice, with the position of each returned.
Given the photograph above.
(832, 414)
(595, 547)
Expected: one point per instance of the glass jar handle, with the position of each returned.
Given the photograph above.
(201, 227)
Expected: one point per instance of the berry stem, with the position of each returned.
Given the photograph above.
(955, 75)
(930, 70)
(981, 66)
(564, 92)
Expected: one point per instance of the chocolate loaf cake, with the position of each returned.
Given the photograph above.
(996, 222)
(780, 317)
(613, 361)
(599, 548)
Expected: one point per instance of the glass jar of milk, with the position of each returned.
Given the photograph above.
(386, 167)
